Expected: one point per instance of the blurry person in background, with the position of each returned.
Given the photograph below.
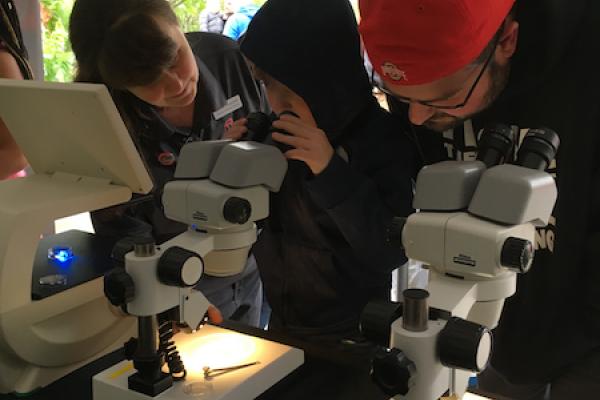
(211, 18)
(228, 9)
(238, 22)
(13, 65)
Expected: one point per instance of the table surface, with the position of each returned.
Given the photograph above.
(326, 374)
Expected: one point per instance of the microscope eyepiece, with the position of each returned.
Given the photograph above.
(495, 144)
(538, 149)
(416, 310)
(394, 230)
(259, 126)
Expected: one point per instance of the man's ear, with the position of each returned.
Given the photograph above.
(508, 41)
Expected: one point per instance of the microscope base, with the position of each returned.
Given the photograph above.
(216, 348)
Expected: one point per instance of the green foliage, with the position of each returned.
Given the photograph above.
(187, 12)
(58, 58)
(59, 61)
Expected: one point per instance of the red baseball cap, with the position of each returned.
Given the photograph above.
(412, 42)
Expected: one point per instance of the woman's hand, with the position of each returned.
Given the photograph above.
(310, 143)
(214, 315)
(237, 130)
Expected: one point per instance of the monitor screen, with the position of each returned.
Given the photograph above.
(72, 128)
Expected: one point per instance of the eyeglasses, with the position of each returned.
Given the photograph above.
(442, 106)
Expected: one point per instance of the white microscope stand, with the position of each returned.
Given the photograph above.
(157, 283)
(74, 129)
(476, 301)
(216, 347)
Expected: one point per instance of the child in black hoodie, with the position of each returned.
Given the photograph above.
(323, 254)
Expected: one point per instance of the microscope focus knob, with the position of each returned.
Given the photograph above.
(237, 210)
(259, 126)
(119, 287)
(517, 254)
(180, 267)
(464, 345)
(394, 231)
(392, 371)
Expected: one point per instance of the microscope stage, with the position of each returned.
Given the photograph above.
(215, 348)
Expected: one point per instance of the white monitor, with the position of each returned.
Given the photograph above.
(73, 128)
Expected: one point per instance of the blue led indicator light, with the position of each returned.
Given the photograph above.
(62, 254)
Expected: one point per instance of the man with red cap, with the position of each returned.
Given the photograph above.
(453, 66)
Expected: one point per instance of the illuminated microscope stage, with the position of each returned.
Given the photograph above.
(212, 347)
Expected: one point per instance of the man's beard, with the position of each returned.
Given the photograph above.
(441, 121)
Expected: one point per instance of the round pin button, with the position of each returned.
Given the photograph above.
(166, 158)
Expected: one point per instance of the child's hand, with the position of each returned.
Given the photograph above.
(214, 315)
(310, 144)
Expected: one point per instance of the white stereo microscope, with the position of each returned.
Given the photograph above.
(84, 160)
(220, 188)
(474, 231)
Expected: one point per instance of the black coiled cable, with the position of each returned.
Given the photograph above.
(167, 347)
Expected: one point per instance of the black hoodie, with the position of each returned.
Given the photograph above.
(554, 318)
(323, 253)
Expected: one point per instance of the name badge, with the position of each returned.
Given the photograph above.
(233, 104)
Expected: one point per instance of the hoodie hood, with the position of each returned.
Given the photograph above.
(314, 53)
(550, 27)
